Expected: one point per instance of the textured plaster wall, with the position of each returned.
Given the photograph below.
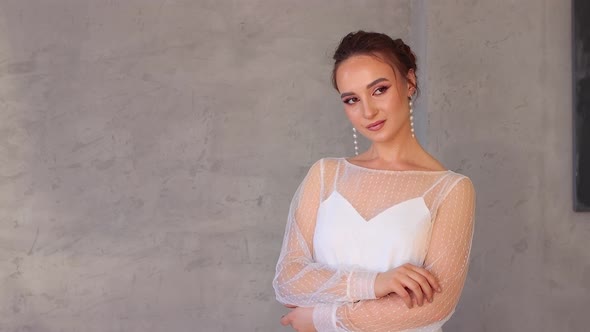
(500, 111)
(149, 151)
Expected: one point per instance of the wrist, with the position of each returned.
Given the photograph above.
(361, 285)
(324, 317)
(381, 285)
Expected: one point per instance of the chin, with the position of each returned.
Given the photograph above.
(380, 137)
(382, 134)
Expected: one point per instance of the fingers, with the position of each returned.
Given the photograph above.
(428, 282)
(414, 284)
(290, 306)
(424, 284)
(285, 320)
(430, 277)
(410, 283)
(403, 293)
(414, 301)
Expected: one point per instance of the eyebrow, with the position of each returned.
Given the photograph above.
(379, 80)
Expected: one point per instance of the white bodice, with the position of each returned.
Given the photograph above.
(397, 235)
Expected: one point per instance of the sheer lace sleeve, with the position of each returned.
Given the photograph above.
(447, 259)
(301, 281)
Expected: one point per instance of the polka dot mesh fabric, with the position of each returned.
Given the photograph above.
(347, 223)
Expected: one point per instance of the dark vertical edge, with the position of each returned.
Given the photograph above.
(581, 104)
(574, 104)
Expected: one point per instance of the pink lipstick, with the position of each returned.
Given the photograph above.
(376, 125)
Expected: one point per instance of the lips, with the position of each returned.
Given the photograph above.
(376, 125)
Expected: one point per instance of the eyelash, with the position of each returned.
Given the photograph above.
(382, 88)
(348, 100)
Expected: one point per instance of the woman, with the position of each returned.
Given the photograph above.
(380, 241)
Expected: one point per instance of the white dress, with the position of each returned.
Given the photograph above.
(347, 223)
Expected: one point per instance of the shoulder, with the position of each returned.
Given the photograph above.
(315, 170)
(322, 170)
(457, 200)
(459, 186)
(324, 164)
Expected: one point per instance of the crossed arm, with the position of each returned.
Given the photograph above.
(299, 280)
(344, 299)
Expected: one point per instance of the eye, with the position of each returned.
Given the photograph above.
(380, 90)
(350, 101)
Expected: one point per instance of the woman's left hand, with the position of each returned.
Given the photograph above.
(300, 319)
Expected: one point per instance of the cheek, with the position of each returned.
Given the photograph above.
(394, 105)
(352, 114)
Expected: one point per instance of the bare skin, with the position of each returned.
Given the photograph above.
(392, 147)
(412, 283)
(372, 91)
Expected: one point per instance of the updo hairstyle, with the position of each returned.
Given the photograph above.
(395, 52)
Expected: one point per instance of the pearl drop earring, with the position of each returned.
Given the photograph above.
(411, 117)
(356, 147)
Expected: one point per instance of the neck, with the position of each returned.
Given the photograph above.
(401, 149)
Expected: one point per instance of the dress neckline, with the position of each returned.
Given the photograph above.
(393, 170)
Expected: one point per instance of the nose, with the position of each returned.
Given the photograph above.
(369, 109)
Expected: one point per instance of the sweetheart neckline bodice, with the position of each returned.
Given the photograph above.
(380, 214)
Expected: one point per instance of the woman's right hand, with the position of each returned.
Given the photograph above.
(405, 279)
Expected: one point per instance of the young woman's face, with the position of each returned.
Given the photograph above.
(375, 98)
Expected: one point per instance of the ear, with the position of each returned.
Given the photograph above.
(411, 80)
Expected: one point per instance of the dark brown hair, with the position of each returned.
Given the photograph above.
(395, 52)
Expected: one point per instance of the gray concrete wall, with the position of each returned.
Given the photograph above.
(500, 111)
(149, 151)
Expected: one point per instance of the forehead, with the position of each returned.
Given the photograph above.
(359, 70)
